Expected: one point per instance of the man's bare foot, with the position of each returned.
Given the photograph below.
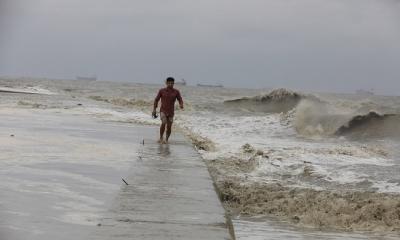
(162, 141)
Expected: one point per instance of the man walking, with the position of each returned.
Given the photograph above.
(168, 97)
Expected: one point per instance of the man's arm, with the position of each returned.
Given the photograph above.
(179, 97)
(156, 101)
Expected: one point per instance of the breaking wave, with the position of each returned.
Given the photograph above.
(278, 100)
(371, 125)
(313, 118)
(322, 119)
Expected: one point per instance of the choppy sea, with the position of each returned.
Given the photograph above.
(300, 140)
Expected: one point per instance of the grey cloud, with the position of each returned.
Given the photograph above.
(335, 45)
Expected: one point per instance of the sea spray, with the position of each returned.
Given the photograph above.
(313, 118)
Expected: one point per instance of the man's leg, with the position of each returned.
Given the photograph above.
(169, 129)
(164, 121)
(162, 130)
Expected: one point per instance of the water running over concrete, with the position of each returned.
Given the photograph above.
(60, 178)
(170, 196)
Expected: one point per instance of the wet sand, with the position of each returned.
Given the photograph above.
(61, 178)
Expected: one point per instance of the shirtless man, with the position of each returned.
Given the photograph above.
(168, 97)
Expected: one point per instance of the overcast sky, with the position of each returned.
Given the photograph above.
(323, 45)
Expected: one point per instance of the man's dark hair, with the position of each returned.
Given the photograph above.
(170, 79)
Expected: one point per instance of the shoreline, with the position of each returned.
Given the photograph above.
(232, 173)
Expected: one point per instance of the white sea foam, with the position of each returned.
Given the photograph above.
(230, 133)
(388, 187)
(288, 155)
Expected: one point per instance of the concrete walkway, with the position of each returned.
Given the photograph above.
(170, 196)
(60, 178)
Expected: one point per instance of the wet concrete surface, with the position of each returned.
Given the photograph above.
(170, 196)
(60, 178)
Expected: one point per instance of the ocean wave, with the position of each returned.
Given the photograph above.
(371, 125)
(315, 118)
(322, 119)
(278, 100)
(245, 192)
